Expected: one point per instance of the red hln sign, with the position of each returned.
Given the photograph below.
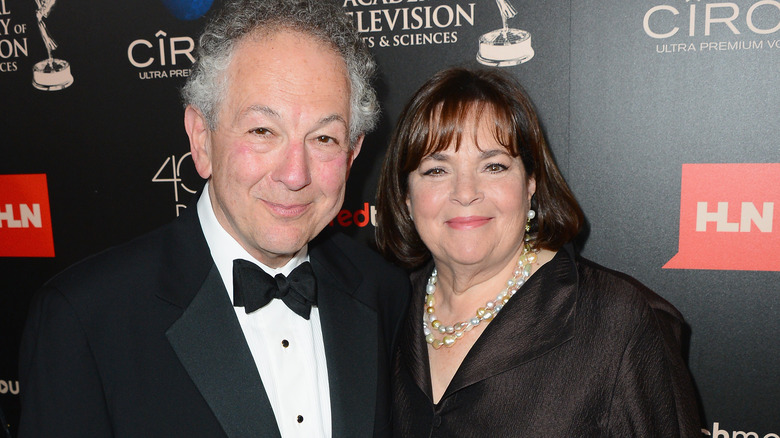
(727, 217)
(25, 219)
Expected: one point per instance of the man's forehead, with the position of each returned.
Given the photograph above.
(274, 114)
(283, 73)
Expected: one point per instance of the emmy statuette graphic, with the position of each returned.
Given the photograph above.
(506, 46)
(50, 74)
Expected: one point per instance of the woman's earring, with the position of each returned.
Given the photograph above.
(531, 214)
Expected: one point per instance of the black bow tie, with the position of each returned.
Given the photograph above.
(253, 288)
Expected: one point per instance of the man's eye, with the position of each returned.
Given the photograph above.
(260, 131)
(326, 139)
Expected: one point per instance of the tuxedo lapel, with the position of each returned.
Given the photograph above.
(349, 330)
(207, 337)
(211, 346)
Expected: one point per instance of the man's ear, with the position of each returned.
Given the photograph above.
(200, 145)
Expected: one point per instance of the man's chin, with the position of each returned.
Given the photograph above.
(280, 247)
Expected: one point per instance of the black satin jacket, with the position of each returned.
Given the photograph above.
(579, 351)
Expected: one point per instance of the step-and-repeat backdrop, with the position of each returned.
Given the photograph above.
(664, 116)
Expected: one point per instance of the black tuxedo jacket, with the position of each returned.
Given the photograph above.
(579, 351)
(142, 341)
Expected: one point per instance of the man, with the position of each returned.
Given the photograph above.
(164, 337)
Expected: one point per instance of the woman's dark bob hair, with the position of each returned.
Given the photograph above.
(433, 120)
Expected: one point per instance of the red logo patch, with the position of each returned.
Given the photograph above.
(25, 219)
(727, 217)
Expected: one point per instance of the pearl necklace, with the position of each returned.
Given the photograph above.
(484, 314)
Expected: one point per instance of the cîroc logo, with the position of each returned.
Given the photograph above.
(727, 217)
(162, 58)
(698, 26)
(25, 221)
(506, 46)
(50, 74)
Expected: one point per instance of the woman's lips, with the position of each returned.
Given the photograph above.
(467, 222)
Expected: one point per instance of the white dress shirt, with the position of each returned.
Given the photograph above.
(288, 350)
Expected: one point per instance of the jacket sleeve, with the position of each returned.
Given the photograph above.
(60, 385)
(653, 393)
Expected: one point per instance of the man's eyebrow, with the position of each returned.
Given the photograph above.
(273, 113)
(263, 109)
(333, 118)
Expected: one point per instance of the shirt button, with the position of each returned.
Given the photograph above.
(436, 420)
(285, 344)
(300, 418)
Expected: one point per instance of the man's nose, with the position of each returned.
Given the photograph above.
(293, 170)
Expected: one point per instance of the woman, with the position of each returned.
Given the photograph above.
(510, 333)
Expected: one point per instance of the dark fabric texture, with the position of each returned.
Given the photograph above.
(579, 351)
(143, 341)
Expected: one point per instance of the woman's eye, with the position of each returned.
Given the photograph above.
(436, 171)
(495, 167)
(260, 131)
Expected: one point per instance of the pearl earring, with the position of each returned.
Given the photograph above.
(531, 214)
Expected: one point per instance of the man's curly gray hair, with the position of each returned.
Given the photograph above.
(205, 88)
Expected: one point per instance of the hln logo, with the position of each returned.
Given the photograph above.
(29, 215)
(25, 218)
(749, 214)
(729, 205)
